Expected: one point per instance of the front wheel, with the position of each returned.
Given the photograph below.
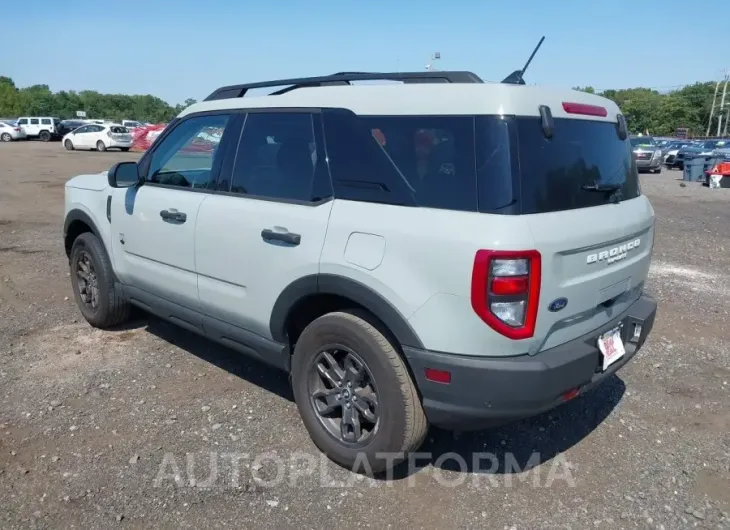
(6, 137)
(68, 144)
(355, 395)
(100, 146)
(97, 295)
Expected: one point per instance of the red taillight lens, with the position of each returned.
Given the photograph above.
(582, 108)
(505, 290)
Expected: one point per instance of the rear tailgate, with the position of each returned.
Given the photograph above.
(597, 258)
(579, 192)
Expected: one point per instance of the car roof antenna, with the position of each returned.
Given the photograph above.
(516, 77)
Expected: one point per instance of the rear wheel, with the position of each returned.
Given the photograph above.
(97, 295)
(45, 136)
(100, 146)
(6, 137)
(355, 395)
(68, 144)
(124, 149)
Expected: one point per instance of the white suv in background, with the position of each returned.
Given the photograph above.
(44, 128)
(98, 137)
(458, 253)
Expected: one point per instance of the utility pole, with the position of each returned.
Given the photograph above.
(722, 106)
(712, 109)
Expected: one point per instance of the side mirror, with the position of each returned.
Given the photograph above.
(124, 175)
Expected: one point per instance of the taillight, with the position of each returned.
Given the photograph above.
(582, 108)
(505, 290)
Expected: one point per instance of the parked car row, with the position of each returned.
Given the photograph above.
(651, 153)
(47, 128)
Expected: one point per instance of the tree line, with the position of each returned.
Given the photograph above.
(39, 100)
(660, 114)
(646, 110)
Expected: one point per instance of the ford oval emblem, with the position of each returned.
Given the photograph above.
(558, 304)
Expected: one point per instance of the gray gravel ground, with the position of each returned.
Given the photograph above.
(136, 428)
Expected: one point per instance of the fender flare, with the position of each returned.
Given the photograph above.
(80, 215)
(348, 288)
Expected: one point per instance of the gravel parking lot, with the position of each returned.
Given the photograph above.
(150, 426)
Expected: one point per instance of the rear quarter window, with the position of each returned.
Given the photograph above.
(426, 161)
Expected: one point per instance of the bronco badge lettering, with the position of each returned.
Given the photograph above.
(614, 254)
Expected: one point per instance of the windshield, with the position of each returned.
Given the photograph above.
(642, 141)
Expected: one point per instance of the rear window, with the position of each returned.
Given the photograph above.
(491, 164)
(119, 130)
(580, 153)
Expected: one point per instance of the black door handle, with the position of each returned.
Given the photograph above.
(176, 216)
(286, 237)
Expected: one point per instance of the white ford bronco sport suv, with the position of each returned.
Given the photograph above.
(439, 251)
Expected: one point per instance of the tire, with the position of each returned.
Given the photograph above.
(400, 425)
(45, 136)
(110, 308)
(6, 137)
(124, 149)
(100, 146)
(68, 144)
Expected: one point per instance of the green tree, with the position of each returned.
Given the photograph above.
(39, 100)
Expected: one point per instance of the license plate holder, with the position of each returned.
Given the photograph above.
(611, 346)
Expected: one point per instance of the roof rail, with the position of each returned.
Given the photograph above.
(346, 78)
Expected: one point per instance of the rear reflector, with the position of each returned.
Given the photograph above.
(570, 394)
(510, 285)
(438, 376)
(582, 108)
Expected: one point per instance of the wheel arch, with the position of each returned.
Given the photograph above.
(76, 223)
(309, 289)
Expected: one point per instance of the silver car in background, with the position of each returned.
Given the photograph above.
(10, 132)
(648, 154)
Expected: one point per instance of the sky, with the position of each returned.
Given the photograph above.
(178, 49)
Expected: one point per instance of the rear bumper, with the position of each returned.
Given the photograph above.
(490, 391)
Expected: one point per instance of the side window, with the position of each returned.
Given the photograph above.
(185, 156)
(34, 121)
(45, 121)
(426, 161)
(435, 154)
(82, 130)
(23, 121)
(278, 157)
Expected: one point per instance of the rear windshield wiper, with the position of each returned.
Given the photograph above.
(606, 188)
(613, 189)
